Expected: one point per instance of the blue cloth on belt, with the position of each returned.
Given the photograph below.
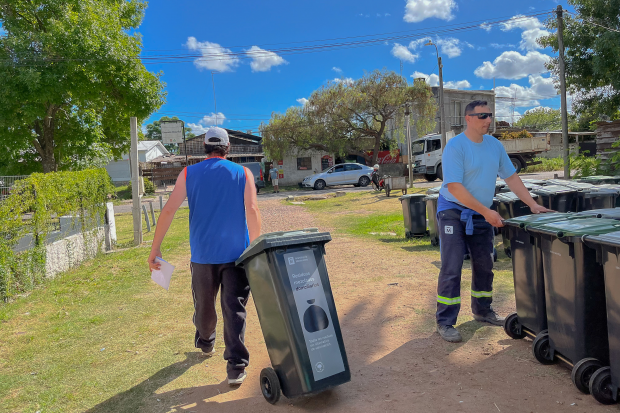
(467, 214)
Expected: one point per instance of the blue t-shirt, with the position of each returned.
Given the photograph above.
(476, 166)
(218, 229)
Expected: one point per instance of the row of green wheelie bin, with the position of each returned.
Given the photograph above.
(567, 290)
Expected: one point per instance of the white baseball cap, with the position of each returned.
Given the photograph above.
(216, 136)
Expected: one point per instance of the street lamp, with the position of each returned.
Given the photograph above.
(409, 151)
(214, 101)
(442, 127)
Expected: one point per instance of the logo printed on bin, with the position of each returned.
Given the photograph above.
(291, 261)
(448, 229)
(520, 242)
(319, 367)
(556, 253)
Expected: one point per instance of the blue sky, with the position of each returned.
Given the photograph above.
(248, 90)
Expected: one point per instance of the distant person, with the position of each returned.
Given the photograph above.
(273, 177)
(223, 220)
(471, 163)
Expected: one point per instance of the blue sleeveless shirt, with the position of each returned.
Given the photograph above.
(218, 230)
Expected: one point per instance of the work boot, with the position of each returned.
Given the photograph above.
(236, 378)
(449, 333)
(208, 353)
(491, 317)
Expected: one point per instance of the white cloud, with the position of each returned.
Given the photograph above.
(263, 60)
(418, 10)
(486, 26)
(522, 96)
(347, 81)
(302, 101)
(401, 52)
(459, 84)
(532, 30)
(214, 56)
(448, 46)
(513, 65)
(504, 111)
(206, 122)
(337, 69)
(433, 80)
(387, 14)
(501, 45)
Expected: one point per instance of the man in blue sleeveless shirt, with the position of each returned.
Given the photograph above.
(223, 220)
(471, 163)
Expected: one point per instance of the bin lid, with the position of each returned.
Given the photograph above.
(283, 239)
(553, 190)
(610, 213)
(581, 186)
(614, 187)
(539, 182)
(596, 178)
(526, 221)
(596, 192)
(434, 190)
(431, 196)
(611, 238)
(500, 183)
(508, 197)
(413, 197)
(577, 227)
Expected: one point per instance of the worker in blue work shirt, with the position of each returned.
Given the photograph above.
(471, 163)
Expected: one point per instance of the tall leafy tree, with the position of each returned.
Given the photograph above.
(71, 78)
(592, 50)
(351, 117)
(540, 118)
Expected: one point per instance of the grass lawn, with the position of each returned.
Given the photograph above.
(81, 341)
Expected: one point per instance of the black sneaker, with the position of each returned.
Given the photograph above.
(208, 353)
(236, 378)
(449, 333)
(491, 317)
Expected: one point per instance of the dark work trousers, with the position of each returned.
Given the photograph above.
(207, 279)
(454, 243)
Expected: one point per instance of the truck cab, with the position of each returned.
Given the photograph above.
(426, 157)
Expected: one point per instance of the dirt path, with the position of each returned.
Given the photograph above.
(397, 360)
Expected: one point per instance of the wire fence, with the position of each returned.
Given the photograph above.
(7, 182)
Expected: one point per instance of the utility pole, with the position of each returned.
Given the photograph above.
(408, 131)
(135, 183)
(214, 101)
(563, 93)
(442, 127)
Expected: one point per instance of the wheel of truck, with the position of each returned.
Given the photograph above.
(440, 172)
(430, 177)
(517, 164)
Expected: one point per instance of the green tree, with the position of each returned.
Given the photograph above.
(71, 78)
(591, 55)
(540, 118)
(153, 132)
(351, 118)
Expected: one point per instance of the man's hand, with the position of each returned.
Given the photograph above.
(539, 209)
(154, 265)
(493, 218)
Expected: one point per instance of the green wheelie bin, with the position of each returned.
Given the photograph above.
(431, 210)
(527, 268)
(558, 198)
(605, 381)
(508, 205)
(575, 298)
(609, 213)
(598, 179)
(293, 297)
(414, 214)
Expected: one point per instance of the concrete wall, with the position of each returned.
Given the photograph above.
(293, 176)
(71, 251)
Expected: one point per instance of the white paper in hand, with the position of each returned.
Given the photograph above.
(164, 274)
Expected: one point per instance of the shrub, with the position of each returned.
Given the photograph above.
(149, 187)
(515, 135)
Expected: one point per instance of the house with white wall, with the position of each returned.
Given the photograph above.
(299, 163)
(119, 170)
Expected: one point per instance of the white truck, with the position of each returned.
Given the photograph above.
(426, 153)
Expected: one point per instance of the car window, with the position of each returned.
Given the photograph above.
(433, 145)
(339, 168)
(352, 167)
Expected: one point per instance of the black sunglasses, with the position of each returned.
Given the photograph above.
(482, 115)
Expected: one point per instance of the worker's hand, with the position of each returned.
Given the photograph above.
(154, 265)
(493, 218)
(539, 209)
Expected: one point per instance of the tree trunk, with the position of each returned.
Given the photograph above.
(44, 142)
(375, 152)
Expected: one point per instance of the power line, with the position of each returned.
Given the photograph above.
(588, 20)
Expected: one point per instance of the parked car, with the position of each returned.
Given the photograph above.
(341, 174)
(257, 171)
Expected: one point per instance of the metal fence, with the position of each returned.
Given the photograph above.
(7, 182)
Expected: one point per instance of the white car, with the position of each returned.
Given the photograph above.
(342, 174)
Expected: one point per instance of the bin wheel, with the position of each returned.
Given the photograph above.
(387, 191)
(508, 252)
(541, 347)
(465, 257)
(601, 387)
(270, 385)
(512, 327)
(434, 242)
(408, 234)
(582, 372)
